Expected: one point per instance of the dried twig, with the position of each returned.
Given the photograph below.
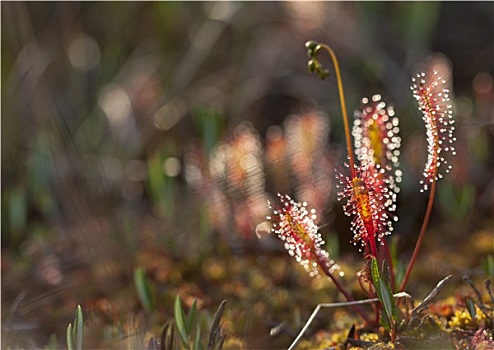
(431, 296)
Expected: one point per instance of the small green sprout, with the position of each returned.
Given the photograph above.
(75, 331)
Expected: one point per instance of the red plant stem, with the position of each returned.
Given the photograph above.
(372, 242)
(348, 297)
(343, 107)
(421, 236)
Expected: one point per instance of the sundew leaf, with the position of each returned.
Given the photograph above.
(180, 322)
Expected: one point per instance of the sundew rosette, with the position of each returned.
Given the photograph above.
(294, 224)
(430, 91)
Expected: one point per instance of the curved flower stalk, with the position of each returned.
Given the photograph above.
(433, 100)
(370, 199)
(314, 66)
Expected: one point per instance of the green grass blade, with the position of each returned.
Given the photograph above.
(78, 327)
(70, 340)
(191, 317)
(197, 340)
(180, 322)
(143, 289)
(52, 342)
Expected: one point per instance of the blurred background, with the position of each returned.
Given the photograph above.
(151, 135)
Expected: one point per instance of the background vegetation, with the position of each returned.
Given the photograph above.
(143, 138)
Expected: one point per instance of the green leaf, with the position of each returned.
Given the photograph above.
(143, 289)
(385, 296)
(52, 342)
(191, 317)
(70, 340)
(376, 277)
(385, 322)
(387, 300)
(471, 308)
(180, 322)
(488, 265)
(78, 327)
(399, 270)
(17, 209)
(197, 340)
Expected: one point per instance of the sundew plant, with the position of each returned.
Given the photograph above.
(368, 186)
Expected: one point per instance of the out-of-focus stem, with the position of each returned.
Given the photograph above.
(421, 236)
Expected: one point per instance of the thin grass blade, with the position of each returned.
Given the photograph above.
(79, 327)
(70, 339)
(197, 341)
(180, 322)
(191, 317)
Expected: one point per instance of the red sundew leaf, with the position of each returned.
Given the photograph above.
(375, 131)
(433, 99)
(294, 225)
(376, 139)
(370, 200)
